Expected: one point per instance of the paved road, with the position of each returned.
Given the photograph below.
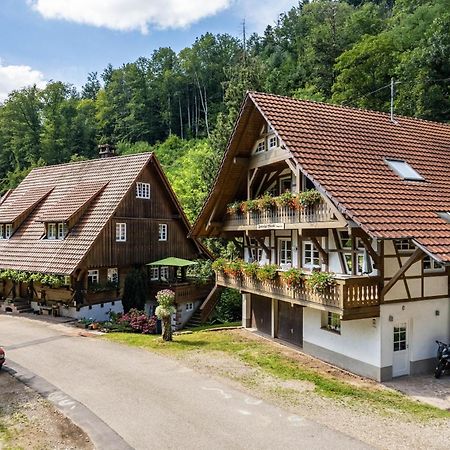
(155, 402)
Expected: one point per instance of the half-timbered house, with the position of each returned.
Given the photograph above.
(87, 224)
(359, 203)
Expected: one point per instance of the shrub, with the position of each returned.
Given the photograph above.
(164, 311)
(320, 281)
(134, 290)
(267, 272)
(138, 321)
(229, 306)
(201, 271)
(294, 278)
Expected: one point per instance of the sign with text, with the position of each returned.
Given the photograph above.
(270, 226)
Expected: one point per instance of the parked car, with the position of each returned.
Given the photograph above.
(2, 357)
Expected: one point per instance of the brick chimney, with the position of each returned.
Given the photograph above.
(106, 150)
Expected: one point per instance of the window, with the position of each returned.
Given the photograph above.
(430, 265)
(62, 230)
(404, 245)
(113, 275)
(93, 277)
(67, 280)
(400, 338)
(5, 231)
(346, 240)
(164, 273)
(359, 262)
(154, 274)
(404, 170)
(311, 256)
(51, 231)
(189, 306)
(331, 321)
(143, 190)
(256, 252)
(121, 232)
(273, 142)
(162, 232)
(285, 253)
(285, 184)
(260, 146)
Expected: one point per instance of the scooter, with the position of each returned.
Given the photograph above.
(2, 357)
(443, 357)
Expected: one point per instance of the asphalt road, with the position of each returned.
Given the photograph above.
(152, 401)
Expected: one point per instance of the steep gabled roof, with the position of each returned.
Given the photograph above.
(343, 150)
(25, 250)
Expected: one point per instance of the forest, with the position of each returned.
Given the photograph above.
(183, 105)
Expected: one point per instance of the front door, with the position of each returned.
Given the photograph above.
(400, 361)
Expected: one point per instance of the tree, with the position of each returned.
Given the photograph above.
(134, 290)
(165, 310)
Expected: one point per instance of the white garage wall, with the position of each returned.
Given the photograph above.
(359, 339)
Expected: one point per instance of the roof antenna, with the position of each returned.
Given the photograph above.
(392, 100)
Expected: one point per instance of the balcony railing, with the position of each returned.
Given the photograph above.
(184, 291)
(352, 297)
(320, 212)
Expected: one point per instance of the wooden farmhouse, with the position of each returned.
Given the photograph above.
(346, 213)
(75, 230)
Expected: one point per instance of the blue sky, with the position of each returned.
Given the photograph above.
(65, 39)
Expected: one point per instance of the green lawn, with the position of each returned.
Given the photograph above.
(265, 356)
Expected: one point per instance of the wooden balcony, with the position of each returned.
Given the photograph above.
(184, 291)
(353, 297)
(284, 217)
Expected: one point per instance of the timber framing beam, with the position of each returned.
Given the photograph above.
(415, 257)
(337, 243)
(320, 249)
(358, 232)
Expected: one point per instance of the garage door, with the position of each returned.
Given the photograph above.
(290, 323)
(262, 313)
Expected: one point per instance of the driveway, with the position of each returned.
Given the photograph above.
(155, 402)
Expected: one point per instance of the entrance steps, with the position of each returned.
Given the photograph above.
(17, 306)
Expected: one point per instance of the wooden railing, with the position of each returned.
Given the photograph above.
(184, 291)
(348, 293)
(282, 214)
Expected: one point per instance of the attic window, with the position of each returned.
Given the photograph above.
(5, 231)
(404, 170)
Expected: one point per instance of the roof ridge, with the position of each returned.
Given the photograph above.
(351, 108)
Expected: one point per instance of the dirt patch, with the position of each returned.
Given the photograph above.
(30, 422)
(386, 429)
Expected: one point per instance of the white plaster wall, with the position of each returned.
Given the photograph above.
(359, 339)
(96, 313)
(424, 327)
(435, 286)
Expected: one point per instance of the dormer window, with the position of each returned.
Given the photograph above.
(273, 142)
(404, 170)
(5, 231)
(143, 190)
(56, 230)
(260, 146)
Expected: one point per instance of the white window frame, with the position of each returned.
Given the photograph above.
(404, 245)
(189, 306)
(280, 184)
(94, 276)
(52, 231)
(2, 227)
(154, 273)
(285, 252)
(121, 232)
(260, 146)
(434, 265)
(308, 262)
(62, 230)
(272, 142)
(143, 190)
(331, 322)
(162, 232)
(5, 231)
(255, 251)
(164, 272)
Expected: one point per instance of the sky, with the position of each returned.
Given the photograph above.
(64, 40)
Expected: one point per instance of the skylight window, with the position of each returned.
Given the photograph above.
(445, 215)
(404, 170)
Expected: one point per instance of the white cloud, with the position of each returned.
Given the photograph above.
(16, 77)
(130, 14)
(258, 14)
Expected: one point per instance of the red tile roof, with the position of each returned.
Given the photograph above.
(25, 250)
(343, 150)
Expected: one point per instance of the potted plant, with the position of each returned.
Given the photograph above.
(234, 208)
(219, 264)
(250, 206)
(288, 199)
(233, 268)
(320, 282)
(294, 278)
(268, 272)
(250, 269)
(310, 198)
(266, 202)
(164, 311)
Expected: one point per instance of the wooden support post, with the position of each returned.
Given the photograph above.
(416, 256)
(246, 310)
(274, 316)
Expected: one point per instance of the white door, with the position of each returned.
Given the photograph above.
(400, 360)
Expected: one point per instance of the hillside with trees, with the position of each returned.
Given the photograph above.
(183, 105)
